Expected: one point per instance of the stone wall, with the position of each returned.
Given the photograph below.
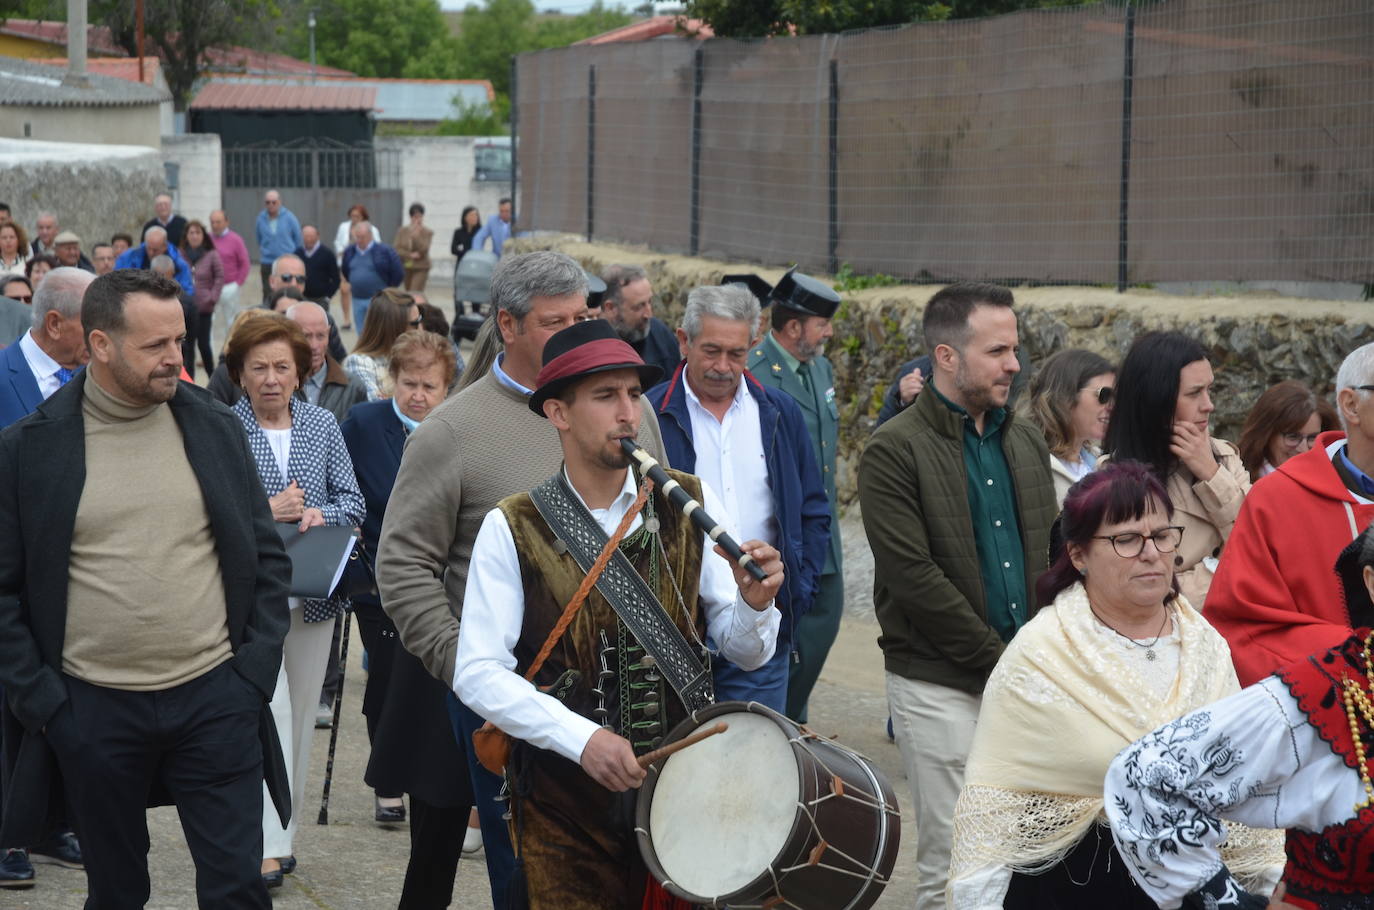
(1255, 340)
(200, 178)
(439, 172)
(95, 190)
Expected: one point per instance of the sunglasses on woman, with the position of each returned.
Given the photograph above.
(1104, 394)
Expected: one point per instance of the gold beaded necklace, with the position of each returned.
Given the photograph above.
(1357, 702)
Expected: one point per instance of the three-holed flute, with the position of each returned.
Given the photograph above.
(692, 509)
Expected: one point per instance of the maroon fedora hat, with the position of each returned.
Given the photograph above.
(584, 349)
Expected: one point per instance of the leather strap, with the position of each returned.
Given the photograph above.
(628, 594)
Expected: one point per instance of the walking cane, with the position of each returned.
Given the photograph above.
(338, 710)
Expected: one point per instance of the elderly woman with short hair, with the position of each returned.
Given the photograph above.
(308, 476)
(1114, 651)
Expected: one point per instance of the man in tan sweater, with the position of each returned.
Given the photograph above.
(477, 448)
(142, 608)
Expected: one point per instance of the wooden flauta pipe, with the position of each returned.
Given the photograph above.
(649, 758)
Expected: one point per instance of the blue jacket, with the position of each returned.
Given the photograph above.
(375, 439)
(285, 240)
(137, 258)
(19, 395)
(385, 260)
(799, 502)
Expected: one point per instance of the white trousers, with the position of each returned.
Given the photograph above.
(934, 730)
(225, 312)
(305, 655)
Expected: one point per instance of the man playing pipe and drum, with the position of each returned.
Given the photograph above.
(624, 671)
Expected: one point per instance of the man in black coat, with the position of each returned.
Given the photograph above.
(321, 268)
(143, 593)
(174, 225)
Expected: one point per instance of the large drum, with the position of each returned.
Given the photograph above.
(767, 814)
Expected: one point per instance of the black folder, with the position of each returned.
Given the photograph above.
(318, 557)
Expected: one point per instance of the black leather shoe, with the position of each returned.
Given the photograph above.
(272, 879)
(59, 850)
(288, 864)
(15, 870)
(389, 815)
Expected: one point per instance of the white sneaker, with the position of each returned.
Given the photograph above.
(472, 841)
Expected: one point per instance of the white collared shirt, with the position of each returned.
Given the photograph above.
(43, 367)
(730, 458)
(485, 678)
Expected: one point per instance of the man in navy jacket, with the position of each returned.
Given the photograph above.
(697, 408)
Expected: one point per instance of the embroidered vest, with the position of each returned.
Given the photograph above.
(614, 685)
(1335, 867)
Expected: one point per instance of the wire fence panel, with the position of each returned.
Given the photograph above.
(1179, 140)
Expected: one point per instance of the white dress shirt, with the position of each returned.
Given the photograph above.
(730, 458)
(43, 367)
(485, 678)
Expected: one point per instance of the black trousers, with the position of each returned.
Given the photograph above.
(197, 742)
(436, 843)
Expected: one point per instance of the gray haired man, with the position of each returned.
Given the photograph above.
(749, 443)
(50, 352)
(475, 449)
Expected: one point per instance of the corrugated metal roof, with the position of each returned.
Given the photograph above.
(25, 83)
(407, 100)
(255, 96)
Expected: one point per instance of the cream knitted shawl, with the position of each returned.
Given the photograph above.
(1056, 710)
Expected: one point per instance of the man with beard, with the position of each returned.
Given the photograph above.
(628, 305)
(579, 742)
(949, 600)
(141, 622)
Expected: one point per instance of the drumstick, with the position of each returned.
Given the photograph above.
(648, 758)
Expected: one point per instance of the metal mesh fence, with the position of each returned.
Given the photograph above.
(1173, 141)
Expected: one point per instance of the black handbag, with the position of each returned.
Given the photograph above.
(359, 576)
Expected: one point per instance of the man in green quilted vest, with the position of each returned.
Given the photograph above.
(600, 699)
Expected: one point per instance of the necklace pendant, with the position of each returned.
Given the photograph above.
(1149, 653)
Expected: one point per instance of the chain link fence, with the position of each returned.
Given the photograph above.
(1177, 140)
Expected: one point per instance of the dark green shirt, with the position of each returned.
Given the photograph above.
(992, 506)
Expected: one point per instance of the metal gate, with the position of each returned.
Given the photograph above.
(318, 185)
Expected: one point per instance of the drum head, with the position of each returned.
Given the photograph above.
(722, 809)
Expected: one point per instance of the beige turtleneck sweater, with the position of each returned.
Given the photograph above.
(145, 600)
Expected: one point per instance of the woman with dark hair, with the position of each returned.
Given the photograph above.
(37, 267)
(207, 273)
(308, 478)
(342, 238)
(412, 245)
(1284, 422)
(1161, 417)
(469, 223)
(121, 244)
(1114, 651)
(1071, 402)
(390, 314)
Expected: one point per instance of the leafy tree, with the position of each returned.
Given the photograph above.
(756, 18)
(385, 39)
(181, 32)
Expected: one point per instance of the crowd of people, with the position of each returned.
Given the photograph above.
(1074, 576)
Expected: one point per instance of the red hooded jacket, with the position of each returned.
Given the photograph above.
(1275, 597)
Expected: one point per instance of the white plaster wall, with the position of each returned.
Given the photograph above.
(132, 125)
(202, 173)
(438, 172)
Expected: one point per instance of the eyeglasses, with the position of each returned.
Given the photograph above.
(1104, 394)
(22, 298)
(416, 323)
(1132, 544)
(292, 279)
(1295, 440)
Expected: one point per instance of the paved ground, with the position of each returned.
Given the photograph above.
(353, 864)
